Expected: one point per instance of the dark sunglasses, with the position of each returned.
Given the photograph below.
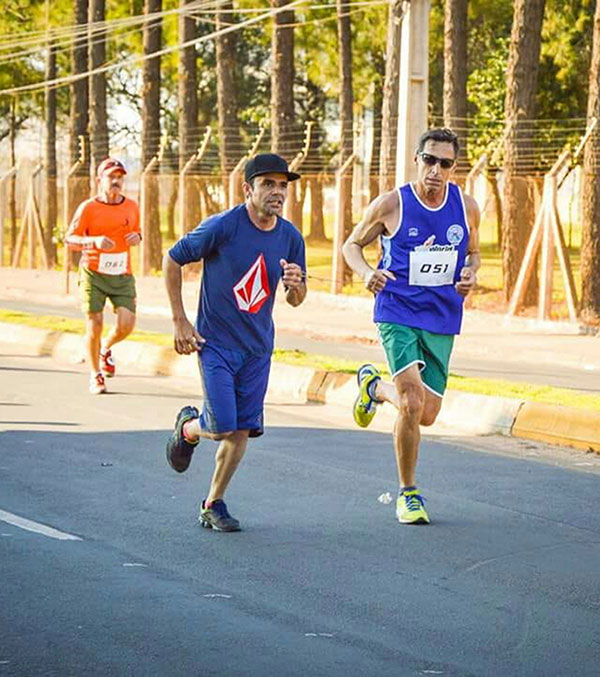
(431, 160)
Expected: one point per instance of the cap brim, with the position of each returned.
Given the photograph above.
(291, 176)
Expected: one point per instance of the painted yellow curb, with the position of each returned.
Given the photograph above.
(554, 424)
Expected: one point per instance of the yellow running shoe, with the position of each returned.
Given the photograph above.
(410, 508)
(365, 406)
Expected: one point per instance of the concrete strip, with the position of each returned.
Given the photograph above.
(287, 380)
(30, 340)
(479, 414)
(579, 428)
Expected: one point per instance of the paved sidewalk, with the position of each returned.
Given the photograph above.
(344, 318)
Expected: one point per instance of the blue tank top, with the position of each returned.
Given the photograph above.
(426, 254)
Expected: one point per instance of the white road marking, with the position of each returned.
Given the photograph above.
(134, 564)
(36, 527)
(216, 594)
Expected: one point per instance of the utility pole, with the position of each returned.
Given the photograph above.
(414, 86)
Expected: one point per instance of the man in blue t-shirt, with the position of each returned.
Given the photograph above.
(430, 254)
(245, 252)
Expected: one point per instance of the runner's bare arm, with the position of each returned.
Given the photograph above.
(468, 277)
(133, 239)
(379, 218)
(186, 338)
(293, 283)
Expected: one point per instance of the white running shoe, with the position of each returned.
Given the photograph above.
(97, 384)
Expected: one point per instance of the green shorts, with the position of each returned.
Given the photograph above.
(405, 346)
(94, 288)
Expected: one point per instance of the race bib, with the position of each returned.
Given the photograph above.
(112, 264)
(432, 268)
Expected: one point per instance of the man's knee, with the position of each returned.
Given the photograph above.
(412, 400)
(219, 437)
(95, 323)
(125, 322)
(431, 411)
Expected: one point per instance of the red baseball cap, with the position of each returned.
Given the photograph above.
(110, 165)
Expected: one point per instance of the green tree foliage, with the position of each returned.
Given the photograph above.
(565, 59)
(564, 64)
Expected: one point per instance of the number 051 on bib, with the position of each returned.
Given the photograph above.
(432, 268)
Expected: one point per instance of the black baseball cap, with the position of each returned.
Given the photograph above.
(268, 163)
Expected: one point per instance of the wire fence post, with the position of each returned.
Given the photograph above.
(337, 272)
(3, 202)
(293, 206)
(475, 172)
(145, 210)
(31, 227)
(235, 184)
(547, 233)
(69, 208)
(183, 177)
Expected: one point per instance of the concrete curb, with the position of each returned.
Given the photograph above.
(471, 414)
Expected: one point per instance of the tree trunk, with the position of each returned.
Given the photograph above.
(230, 143)
(521, 86)
(389, 108)
(51, 202)
(375, 158)
(97, 58)
(79, 88)
(283, 139)
(174, 189)
(77, 186)
(152, 39)
(317, 223)
(188, 118)
(455, 72)
(12, 193)
(346, 104)
(590, 243)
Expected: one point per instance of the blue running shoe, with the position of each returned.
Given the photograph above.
(179, 450)
(217, 517)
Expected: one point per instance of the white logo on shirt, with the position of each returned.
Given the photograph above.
(455, 233)
(253, 289)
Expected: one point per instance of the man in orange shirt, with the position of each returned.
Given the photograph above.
(104, 228)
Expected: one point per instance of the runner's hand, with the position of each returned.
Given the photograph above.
(186, 339)
(375, 280)
(467, 281)
(292, 274)
(104, 243)
(133, 239)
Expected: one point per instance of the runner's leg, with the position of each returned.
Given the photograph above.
(387, 392)
(407, 433)
(125, 325)
(228, 457)
(93, 336)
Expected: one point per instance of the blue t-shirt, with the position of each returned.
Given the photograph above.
(426, 254)
(241, 271)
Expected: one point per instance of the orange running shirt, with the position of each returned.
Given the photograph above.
(94, 218)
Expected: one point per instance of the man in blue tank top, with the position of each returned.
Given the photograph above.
(245, 252)
(430, 255)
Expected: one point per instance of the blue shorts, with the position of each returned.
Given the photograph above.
(235, 385)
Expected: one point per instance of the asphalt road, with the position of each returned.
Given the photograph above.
(504, 368)
(322, 581)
